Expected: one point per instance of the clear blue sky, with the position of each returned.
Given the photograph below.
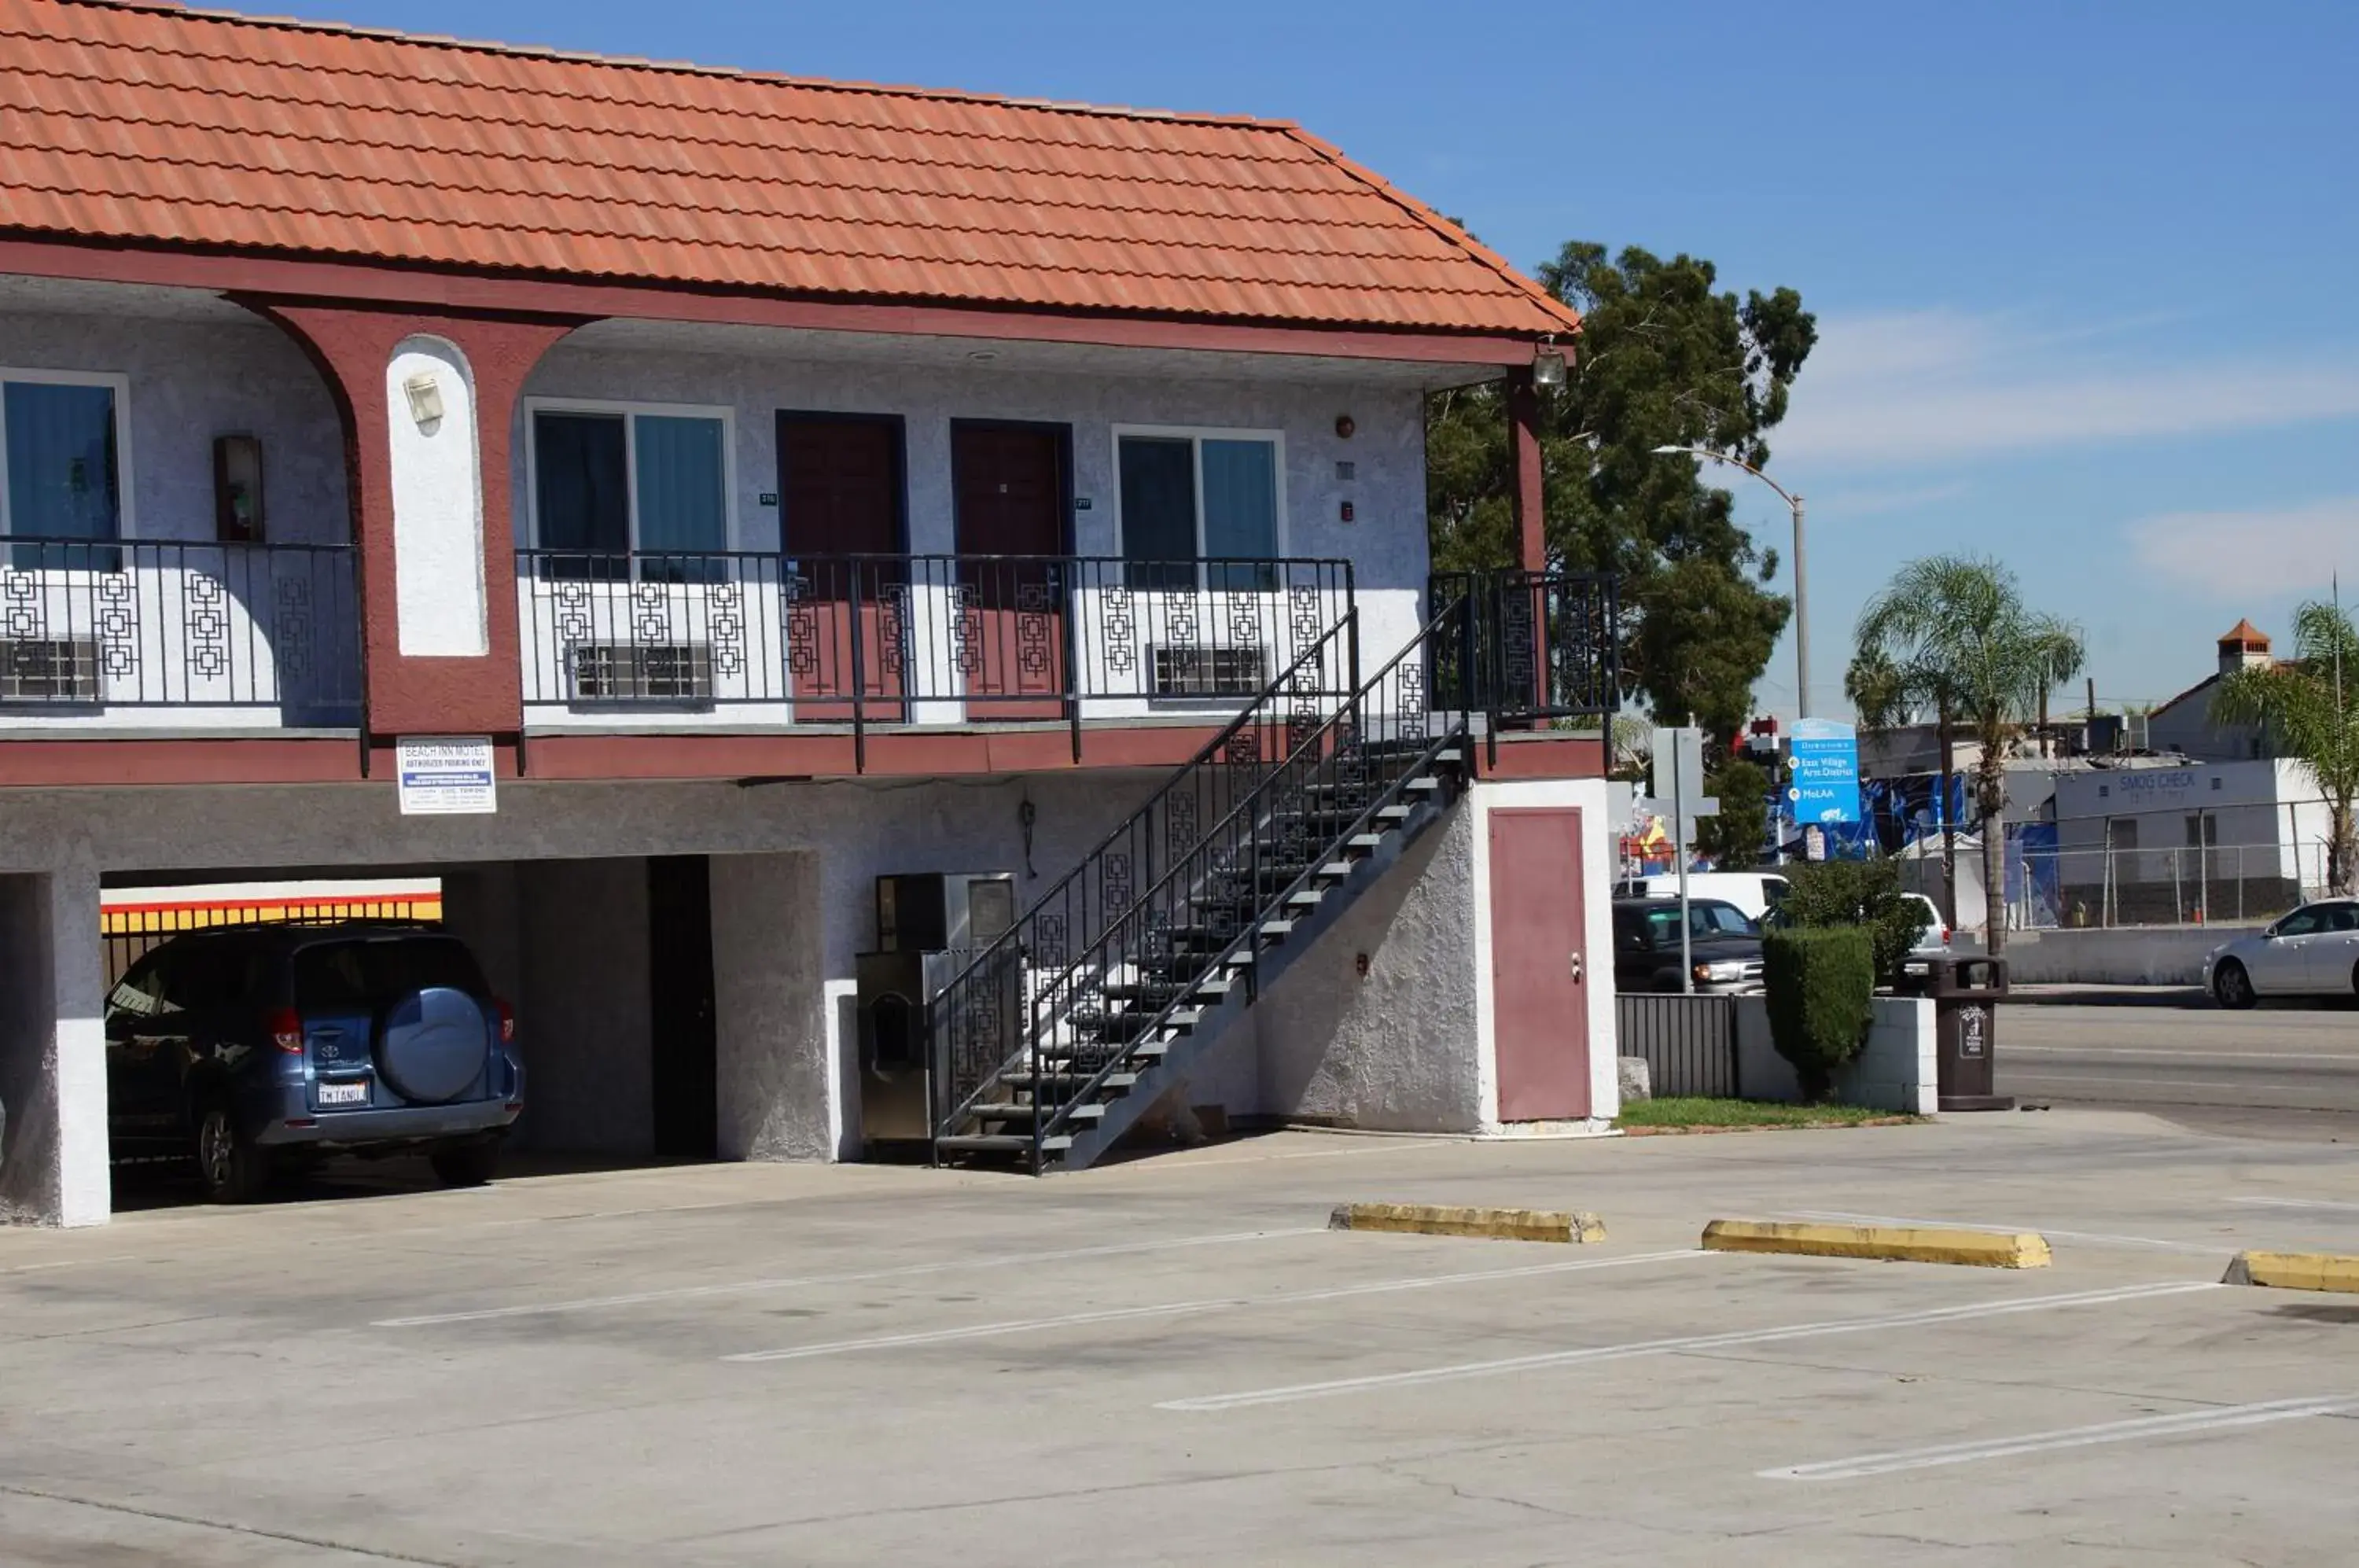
(2085, 272)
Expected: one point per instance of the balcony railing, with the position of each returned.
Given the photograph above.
(864, 640)
(268, 635)
(1543, 648)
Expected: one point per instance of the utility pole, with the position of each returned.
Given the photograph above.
(1801, 618)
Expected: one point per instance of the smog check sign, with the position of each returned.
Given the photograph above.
(446, 777)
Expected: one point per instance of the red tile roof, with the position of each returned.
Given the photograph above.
(143, 122)
(2245, 632)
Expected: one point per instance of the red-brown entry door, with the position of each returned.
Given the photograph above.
(1009, 632)
(840, 495)
(1540, 968)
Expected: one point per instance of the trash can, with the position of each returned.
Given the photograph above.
(1965, 993)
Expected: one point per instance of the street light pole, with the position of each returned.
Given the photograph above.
(1801, 576)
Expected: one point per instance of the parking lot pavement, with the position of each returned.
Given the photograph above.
(1170, 1361)
(2283, 1069)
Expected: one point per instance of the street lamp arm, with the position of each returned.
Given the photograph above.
(1705, 452)
(1801, 580)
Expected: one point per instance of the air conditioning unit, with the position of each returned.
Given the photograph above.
(1211, 672)
(49, 670)
(642, 673)
(2134, 737)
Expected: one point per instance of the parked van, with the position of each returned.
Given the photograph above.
(1755, 892)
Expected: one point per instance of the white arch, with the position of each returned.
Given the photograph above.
(442, 607)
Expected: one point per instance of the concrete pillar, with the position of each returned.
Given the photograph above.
(53, 1154)
(779, 1082)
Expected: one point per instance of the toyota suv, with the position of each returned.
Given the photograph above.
(259, 1046)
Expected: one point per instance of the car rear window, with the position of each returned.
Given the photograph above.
(367, 972)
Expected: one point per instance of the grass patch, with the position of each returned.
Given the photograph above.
(1688, 1113)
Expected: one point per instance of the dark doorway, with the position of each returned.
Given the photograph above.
(841, 494)
(1011, 488)
(687, 1078)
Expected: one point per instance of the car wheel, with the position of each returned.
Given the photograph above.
(464, 1162)
(232, 1168)
(2232, 986)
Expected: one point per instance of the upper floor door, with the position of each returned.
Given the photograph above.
(1011, 490)
(840, 499)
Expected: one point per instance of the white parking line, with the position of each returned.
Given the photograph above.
(2095, 1238)
(1215, 1303)
(2068, 1437)
(1551, 1359)
(908, 1271)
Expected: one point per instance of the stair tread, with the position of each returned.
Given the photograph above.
(999, 1143)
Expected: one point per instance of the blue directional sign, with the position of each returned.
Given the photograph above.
(1825, 772)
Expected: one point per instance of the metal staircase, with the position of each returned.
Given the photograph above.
(1054, 1041)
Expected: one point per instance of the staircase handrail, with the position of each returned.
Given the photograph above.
(1351, 712)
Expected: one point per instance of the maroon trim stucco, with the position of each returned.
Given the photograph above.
(58, 763)
(1530, 493)
(351, 345)
(363, 284)
(1541, 754)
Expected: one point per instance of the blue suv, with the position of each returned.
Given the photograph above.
(261, 1045)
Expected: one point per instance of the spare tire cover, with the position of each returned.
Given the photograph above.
(433, 1044)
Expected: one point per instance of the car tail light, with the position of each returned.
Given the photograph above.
(285, 1028)
(507, 1021)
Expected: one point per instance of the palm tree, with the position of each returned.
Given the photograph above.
(1951, 634)
(2312, 717)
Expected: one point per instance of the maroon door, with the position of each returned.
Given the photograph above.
(839, 496)
(1009, 491)
(1539, 965)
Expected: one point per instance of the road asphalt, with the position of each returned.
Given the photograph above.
(2280, 1070)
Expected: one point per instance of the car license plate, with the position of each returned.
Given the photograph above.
(343, 1093)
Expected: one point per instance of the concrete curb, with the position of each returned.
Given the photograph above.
(2295, 1271)
(1897, 1244)
(1448, 1219)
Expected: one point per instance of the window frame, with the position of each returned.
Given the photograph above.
(630, 410)
(126, 520)
(1196, 436)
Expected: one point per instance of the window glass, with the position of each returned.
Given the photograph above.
(415, 964)
(2302, 922)
(1158, 509)
(207, 975)
(1663, 927)
(329, 978)
(680, 481)
(63, 479)
(139, 994)
(2339, 918)
(1241, 508)
(1718, 920)
(580, 497)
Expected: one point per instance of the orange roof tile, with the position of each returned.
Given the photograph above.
(131, 120)
(2245, 632)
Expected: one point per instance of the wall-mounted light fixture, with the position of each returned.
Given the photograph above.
(1548, 365)
(1344, 426)
(425, 394)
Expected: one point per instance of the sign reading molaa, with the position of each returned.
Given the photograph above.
(1825, 772)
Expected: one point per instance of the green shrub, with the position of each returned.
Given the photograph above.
(1821, 981)
(1865, 893)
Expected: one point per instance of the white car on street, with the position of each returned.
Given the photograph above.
(2313, 951)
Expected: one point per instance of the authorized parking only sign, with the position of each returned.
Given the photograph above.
(447, 777)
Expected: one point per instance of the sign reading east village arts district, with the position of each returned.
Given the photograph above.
(1825, 772)
(451, 776)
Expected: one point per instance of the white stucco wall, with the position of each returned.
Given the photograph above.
(1386, 543)
(780, 1068)
(1398, 1049)
(438, 506)
(1896, 1069)
(193, 380)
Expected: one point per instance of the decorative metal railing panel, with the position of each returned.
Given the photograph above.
(1545, 645)
(867, 641)
(90, 626)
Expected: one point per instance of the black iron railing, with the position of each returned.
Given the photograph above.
(862, 640)
(1544, 645)
(1087, 985)
(90, 625)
